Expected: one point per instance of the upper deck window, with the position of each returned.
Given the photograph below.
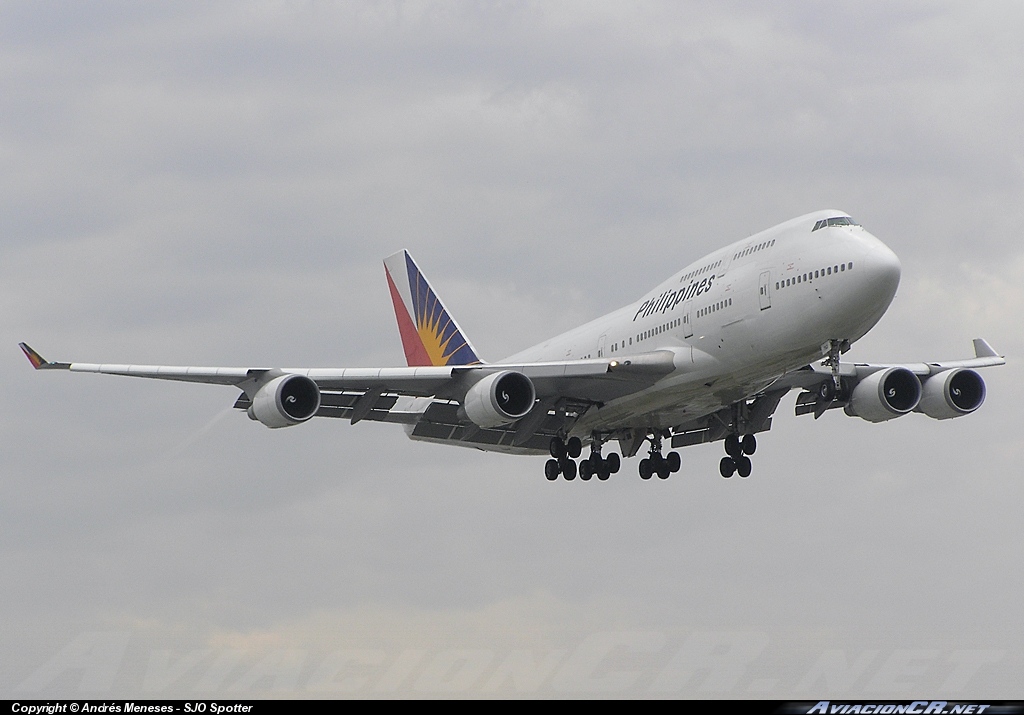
(837, 221)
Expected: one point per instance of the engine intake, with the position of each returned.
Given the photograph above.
(499, 398)
(285, 401)
(952, 393)
(884, 395)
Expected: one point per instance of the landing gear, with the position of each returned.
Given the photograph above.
(566, 462)
(832, 350)
(737, 462)
(570, 448)
(655, 463)
(597, 466)
(564, 454)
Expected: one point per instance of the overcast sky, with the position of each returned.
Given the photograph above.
(217, 183)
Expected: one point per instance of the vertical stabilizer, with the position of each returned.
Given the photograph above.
(430, 335)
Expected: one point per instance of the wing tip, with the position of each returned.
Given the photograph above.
(35, 358)
(39, 362)
(983, 350)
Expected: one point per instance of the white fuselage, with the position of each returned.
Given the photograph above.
(737, 319)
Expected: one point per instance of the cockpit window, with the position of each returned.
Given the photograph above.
(837, 221)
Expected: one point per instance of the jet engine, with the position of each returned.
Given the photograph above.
(952, 393)
(285, 401)
(499, 398)
(884, 395)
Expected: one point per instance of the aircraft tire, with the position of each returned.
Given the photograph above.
(556, 448)
(663, 469)
(749, 444)
(552, 470)
(613, 462)
(674, 462)
(743, 467)
(727, 467)
(646, 468)
(586, 470)
(603, 473)
(827, 391)
(574, 447)
(733, 447)
(568, 468)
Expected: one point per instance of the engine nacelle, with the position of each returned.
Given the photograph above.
(499, 398)
(884, 395)
(285, 401)
(952, 393)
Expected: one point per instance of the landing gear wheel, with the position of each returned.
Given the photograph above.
(613, 463)
(586, 471)
(733, 447)
(604, 472)
(662, 469)
(552, 470)
(673, 461)
(568, 468)
(743, 467)
(574, 447)
(556, 448)
(826, 391)
(646, 468)
(749, 444)
(727, 467)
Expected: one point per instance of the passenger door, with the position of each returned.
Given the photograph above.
(764, 294)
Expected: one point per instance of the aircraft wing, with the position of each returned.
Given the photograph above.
(811, 377)
(551, 379)
(384, 394)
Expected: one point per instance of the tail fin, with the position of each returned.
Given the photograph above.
(430, 335)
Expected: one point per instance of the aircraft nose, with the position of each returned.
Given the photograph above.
(884, 269)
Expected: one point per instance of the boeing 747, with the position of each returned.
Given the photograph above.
(705, 356)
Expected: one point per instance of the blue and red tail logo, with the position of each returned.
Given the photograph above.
(430, 335)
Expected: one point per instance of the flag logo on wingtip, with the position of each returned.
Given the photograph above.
(33, 357)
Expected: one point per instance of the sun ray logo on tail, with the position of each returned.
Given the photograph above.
(430, 336)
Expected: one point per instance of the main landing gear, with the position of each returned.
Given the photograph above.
(655, 463)
(564, 454)
(737, 462)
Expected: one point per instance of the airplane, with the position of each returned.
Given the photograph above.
(705, 356)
